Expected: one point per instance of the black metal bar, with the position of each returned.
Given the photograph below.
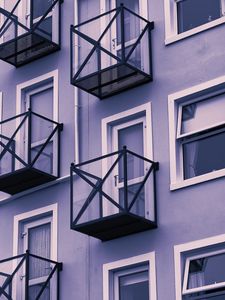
(58, 283)
(11, 258)
(45, 14)
(140, 187)
(46, 283)
(29, 136)
(3, 292)
(43, 258)
(100, 190)
(14, 155)
(13, 118)
(71, 53)
(98, 158)
(6, 148)
(95, 18)
(122, 32)
(141, 157)
(136, 15)
(31, 13)
(14, 19)
(58, 152)
(155, 197)
(27, 269)
(45, 118)
(3, 11)
(99, 71)
(136, 43)
(71, 195)
(97, 43)
(150, 52)
(125, 178)
(43, 146)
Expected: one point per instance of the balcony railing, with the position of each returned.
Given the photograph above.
(29, 151)
(29, 276)
(111, 52)
(113, 195)
(29, 30)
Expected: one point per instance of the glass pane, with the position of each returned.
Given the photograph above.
(39, 243)
(45, 28)
(132, 137)
(204, 156)
(139, 206)
(34, 291)
(45, 160)
(134, 286)
(196, 116)
(206, 271)
(41, 103)
(40, 7)
(131, 22)
(193, 13)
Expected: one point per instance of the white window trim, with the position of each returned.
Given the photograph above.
(194, 245)
(176, 180)
(128, 262)
(40, 212)
(130, 114)
(171, 23)
(20, 88)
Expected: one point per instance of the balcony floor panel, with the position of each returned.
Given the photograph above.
(112, 80)
(26, 48)
(115, 226)
(23, 179)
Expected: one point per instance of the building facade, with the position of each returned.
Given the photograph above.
(126, 91)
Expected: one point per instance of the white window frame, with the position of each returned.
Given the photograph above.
(174, 111)
(171, 31)
(29, 216)
(181, 250)
(108, 124)
(109, 269)
(33, 84)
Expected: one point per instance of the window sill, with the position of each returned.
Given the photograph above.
(176, 37)
(192, 181)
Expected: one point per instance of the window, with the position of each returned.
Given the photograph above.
(187, 17)
(41, 96)
(199, 135)
(130, 279)
(200, 274)
(125, 129)
(36, 231)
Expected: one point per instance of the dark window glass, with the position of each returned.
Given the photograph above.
(204, 155)
(40, 7)
(193, 13)
(134, 287)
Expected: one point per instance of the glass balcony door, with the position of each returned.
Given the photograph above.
(132, 135)
(40, 101)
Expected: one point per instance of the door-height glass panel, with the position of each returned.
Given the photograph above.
(134, 286)
(132, 137)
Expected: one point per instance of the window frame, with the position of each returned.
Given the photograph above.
(180, 254)
(27, 217)
(171, 28)
(108, 123)
(110, 269)
(23, 90)
(176, 100)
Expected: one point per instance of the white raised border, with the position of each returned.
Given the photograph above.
(50, 209)
(172, 36)
(179, 249)
(148, 258)
(176, 180)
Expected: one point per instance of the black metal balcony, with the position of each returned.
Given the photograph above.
(29, 33)
(111, 52)
(29, 276)
(29, 152)
(113, 195)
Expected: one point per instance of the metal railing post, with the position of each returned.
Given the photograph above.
(125, 178)
(29, 137)
(122, 31)
(27, 267)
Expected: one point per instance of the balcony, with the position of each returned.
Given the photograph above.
(29, 152)
(111, 53)
(29, 276)
(113, 195)
(29, 32)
